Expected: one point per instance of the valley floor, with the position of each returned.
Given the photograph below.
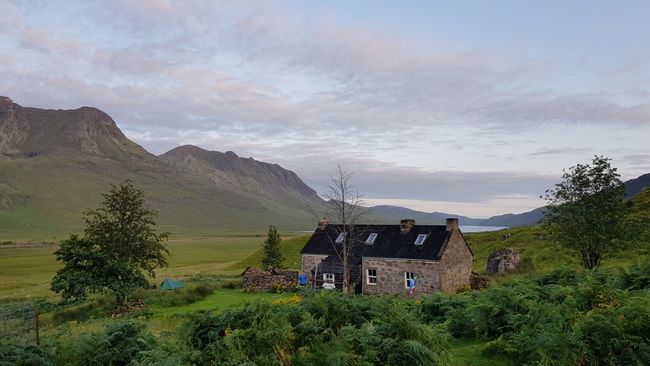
(216, 263)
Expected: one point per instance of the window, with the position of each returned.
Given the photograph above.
(409, 278)
(420, 239)
(340, 238)
(371, 278)
(371, 238)
(328, 281)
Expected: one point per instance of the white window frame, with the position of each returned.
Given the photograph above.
(327, 277)
(369, 277)
(421, 239)
(371, 238)
(340, 238)
(408, 276)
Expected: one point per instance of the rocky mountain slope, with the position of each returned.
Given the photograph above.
(54, 164)
(246, 176)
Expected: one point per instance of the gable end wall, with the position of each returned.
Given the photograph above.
(457, 263)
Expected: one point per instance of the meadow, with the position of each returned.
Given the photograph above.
(27, 268)
(211, 267)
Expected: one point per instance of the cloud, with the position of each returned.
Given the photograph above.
(223, 65)
(306, 92)
(560, 151)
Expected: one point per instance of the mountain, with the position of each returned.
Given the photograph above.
(245, 176)
(30, 132)
(385, 214)
(636, 185)
(55, 164)
(633, 187)
(511, 220)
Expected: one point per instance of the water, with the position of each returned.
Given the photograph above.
(478, 229)
(463, 228)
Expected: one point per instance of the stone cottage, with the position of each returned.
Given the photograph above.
(387, 258)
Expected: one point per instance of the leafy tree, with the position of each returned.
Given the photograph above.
(119, 248)
(271, 247)
(586, 211)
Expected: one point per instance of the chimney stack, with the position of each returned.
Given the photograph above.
(406, 225)
(322, 223)
(452, 224)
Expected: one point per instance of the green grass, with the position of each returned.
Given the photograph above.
(540, 255)
(290, 249)
(27, 271)
(218, 300)
(469, 353)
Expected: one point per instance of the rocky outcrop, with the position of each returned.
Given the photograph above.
(478, 282)
(503, 260)
(30, 132)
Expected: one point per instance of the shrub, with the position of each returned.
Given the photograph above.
(325, 327)
(12, 355)
(120, 344)
(177, 297)
(636, 278)
(83, 311)
(231, 284)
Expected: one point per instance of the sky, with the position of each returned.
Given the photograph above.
(466, 107)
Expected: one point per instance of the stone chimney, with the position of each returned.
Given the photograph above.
(406, 225)
(452, 224)
(322, 223)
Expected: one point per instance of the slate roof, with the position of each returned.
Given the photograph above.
(390, 242)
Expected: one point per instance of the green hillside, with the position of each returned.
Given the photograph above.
(538, 254)
(290, 249)
(55, 164)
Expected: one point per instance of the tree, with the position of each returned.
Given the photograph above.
(120, 247)
(345, 209)
(586, 211)
(272, 257)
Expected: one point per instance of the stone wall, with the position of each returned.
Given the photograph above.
(456, 263)
(309, 262)
(391, 278)
(255, 280)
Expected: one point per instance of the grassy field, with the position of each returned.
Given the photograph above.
(25, 270)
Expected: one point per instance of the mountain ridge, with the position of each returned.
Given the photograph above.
(229, 171)
(55, 163)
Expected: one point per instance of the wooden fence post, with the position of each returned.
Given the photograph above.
(38, 336)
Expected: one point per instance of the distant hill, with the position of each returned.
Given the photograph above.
(636, 185)
(633, 187)
(511, 220)
(385, 214)
(54, 164)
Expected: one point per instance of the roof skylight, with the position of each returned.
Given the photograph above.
(420, 239)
